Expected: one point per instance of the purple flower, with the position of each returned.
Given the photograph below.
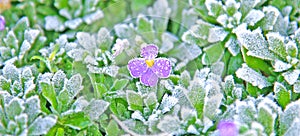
(227, 128)
(2, 23)
(149, 69)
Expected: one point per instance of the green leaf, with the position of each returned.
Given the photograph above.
(96, 108)
(49, 93)
(213, 53)
(276, 44)
(151, 101)
(135, 100)
(113, 129)
(288, 117)
(119, 84)
(145, 28)
(32, 108)
(283, 96)
(266, 118)
(14, 108)
(196, 96)
(76, 121)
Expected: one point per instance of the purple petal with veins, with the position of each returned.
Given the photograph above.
(162, 67)
(149, 78)
(2, 23)
(149, 52)
(137, 67)
(227, 128)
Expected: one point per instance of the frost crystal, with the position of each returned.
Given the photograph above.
(253, 77)
(73, 24)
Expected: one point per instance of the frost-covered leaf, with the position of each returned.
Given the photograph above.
(49, 93)
(4, 84)
(216, 34)
(213, 53)
(87, 41)
(282, 95)
(31, 34)
(255, 43)
(233, 46)
(74, 23)
(291, 76)
(54, 23)
(167, 103)
(145, 27)
(120, 84)
(290, 115)
(276, 44)
(294, 129)
(185, 78)
(246, 112)
(14, 108)
(58, 80)
(168, 42)
(296, 87)
(11, 72)
(135, 100)
(280, 66)
(291, 49)
(151, 101)
(76, 54)
(270, 18)
(253, 77)
(124, 31)
(198, 33)
(214, 7)
(253, 17)
(196, 96)
(186, 52)
(92, 17)
(103, 38)
(169, 124)
(96, 108)
(213, 102)
(76, 121)
(41, 125)
(73, 85)
(231, 7)
(24, 48)
(32, 107)
(247, 5)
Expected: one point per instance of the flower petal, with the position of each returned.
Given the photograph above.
(162, 67)
(137, 67)
(149, 52)
(149, 78)
(2, 23)
(227, 128)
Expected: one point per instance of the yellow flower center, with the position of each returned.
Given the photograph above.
(149, 63)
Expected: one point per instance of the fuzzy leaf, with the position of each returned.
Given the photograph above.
(283, 96)
(96, 108)
(41, 126)
(73, 85)
(291, 76)
(290, 114)
(169, 124)
(135, 100)
(253, 77)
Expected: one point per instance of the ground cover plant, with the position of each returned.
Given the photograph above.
(150, 67)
